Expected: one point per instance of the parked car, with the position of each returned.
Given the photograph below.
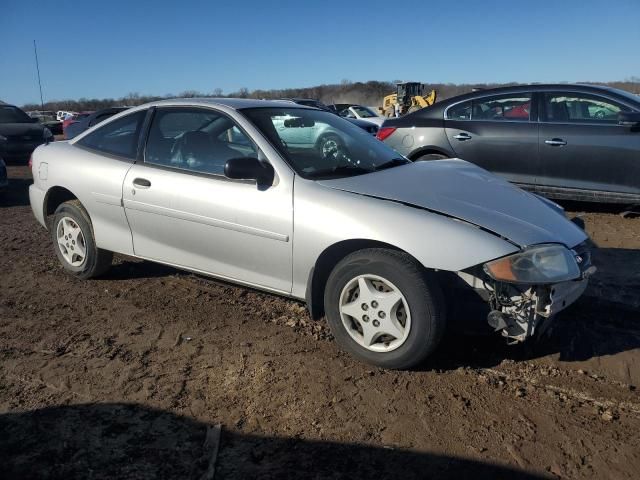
(20, 134)
(4, 180)
(62, 115)
(578, 142)
(76, 127)
(74, 119)
(48, 119)
(377, 243)
(367, 126)
(360, 112)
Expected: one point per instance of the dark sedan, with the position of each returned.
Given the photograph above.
(84, 123)
(579, 142)
(20, 134)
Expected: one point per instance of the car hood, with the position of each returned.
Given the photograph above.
(464, 191)
(21, 129)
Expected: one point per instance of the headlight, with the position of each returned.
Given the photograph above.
(47, 134)
(538, 264)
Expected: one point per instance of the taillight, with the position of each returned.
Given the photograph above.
(384, 132)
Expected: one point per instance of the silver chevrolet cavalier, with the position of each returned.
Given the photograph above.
(383, 247)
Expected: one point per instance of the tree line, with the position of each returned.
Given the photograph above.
(365, 93)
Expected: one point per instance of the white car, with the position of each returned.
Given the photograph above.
(63, 114)
(362, 113)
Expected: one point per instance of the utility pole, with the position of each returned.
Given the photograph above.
(35, 50)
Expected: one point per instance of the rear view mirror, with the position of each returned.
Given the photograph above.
(629, 119)
(248, 168)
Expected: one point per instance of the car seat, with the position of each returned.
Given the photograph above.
(559, 112)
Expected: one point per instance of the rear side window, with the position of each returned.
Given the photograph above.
(119, 137)
(461, 111)
(502, 108)
(581, 108)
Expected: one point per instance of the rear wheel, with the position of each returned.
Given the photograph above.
(74, 242)
(384, 308)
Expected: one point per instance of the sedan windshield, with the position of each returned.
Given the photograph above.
(320, 145)
(9, 114)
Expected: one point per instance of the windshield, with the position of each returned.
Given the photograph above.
(9, 114)
(364, 112)
(320, 145)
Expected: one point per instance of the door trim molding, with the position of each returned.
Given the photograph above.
(213, 222)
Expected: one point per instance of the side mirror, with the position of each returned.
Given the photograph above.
(248, 168)
(629, 119)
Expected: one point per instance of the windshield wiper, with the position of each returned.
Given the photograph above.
(341, 170)
(396, 162)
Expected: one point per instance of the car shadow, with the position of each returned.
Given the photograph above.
(16, 193)
(118, 440)
(129, 269)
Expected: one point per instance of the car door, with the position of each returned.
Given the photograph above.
(583, 148)
(183, 210)
(498, 133)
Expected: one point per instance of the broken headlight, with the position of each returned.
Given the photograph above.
(538, 264)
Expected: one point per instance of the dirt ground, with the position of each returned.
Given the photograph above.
(122, 377)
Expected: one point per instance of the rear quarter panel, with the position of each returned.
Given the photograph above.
(96, 180)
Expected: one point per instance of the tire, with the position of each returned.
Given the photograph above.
(71, 233)
(430, 156)
(420, 305)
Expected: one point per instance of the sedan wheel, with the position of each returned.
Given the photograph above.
(375, 313)
(384, 308)
(71, 242)
(74, 242)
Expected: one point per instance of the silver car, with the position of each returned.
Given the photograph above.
(384, 248)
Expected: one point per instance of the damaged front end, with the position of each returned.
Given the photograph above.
(525, 290)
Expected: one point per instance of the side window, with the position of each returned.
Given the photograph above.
(197, 140)
(461, 111)
(119, 137)
(512, 107)
(581, 108)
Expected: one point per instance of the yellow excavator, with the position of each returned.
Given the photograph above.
(410, 96)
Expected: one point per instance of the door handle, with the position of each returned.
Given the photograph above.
(555, 142)
(141, 183)
(462, 137)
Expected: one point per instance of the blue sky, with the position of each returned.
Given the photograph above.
(112, 48)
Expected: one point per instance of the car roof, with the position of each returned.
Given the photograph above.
(582, 87)
(234, 103)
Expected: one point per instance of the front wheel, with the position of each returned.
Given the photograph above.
(74, 243)
(384, 308)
